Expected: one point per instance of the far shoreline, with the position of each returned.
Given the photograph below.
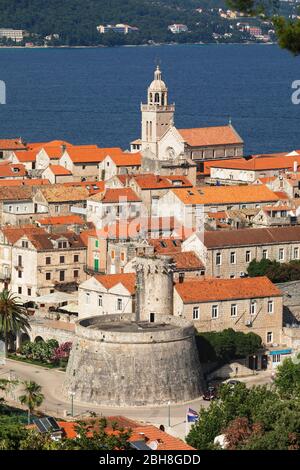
(145, 45)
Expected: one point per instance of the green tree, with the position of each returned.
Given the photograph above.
(13, 317)
(287, 380)
(32, 397)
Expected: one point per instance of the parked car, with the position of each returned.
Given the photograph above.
(210, 394)
(233, 382)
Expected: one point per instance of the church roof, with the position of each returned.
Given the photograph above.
(209, 136)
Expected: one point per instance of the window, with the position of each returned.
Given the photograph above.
(152, 317)
(19, 260)
(296, 253)
(56, 209)
(48, 260)
(100, 301)
(181, 277)
(61, 276)
(232, 257)
(265, 254)
(122, 256)
(270, 306)
(96, 243)
(218, 259)
(87, 298)
(76, 258)
(112, 254)
(62, 244)
(19, 290)
(48, 276)
(76, 273)
(61, 259)
(19, 274)
(233, 310)
(269, 337)
(276, 357)
(215, 311)
(119, 304)
(248, 256)
(281, 254)
(253, 307)
(24, 244)
(29, 292)
(196, 313)
(83, 167)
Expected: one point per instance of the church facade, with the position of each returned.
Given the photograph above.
(168, 150)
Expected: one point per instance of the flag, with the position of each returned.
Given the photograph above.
(191, 416)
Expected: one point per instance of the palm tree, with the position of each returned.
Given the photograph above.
(13, 316)
(32, 396)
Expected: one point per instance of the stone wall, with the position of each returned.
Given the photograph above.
(126, 368)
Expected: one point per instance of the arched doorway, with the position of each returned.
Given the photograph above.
(24, 338)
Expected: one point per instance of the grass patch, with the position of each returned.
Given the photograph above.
(35, 362)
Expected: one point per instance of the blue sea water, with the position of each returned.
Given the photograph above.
(93, 95)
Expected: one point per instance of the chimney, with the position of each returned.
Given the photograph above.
(63, 148)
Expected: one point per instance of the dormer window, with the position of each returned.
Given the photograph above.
(62, 244)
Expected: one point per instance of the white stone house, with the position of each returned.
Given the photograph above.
(107, 294)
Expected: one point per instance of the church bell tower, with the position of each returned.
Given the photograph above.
(157, 114)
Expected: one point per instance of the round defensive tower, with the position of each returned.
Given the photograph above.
(137, 359)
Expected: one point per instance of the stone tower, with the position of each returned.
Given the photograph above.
(154, 287)
(157, 114)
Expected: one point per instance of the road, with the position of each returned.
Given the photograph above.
(55, 404)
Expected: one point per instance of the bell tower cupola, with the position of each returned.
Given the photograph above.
(157, 114)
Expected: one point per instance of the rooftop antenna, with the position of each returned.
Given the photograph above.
(229, 120)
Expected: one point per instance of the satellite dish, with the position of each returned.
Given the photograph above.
(153, 445)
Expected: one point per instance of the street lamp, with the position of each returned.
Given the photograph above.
(72, 394)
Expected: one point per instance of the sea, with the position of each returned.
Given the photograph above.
(93, 95)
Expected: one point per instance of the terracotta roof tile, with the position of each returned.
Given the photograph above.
(62, 220)
(12, 193)
(110, 280)
(12, 144)
(151, 181)
(187, 260)
(207, 195)
(93, 187)
(110, 195)
(88, 154)
(260, 163)
(209, 290)
(10, 170)
(126, 159)
(61, 193)
(24, 182)
(251, 236)
(59, 170)
(208, 136)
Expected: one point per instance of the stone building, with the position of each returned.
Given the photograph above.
(59, 199)
(107, 294)
(37, 262)
(119, 164)
(227, 254)
(250, 304)
(8, 146)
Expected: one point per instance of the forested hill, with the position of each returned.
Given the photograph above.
(75, 21)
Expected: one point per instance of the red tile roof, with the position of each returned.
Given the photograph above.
(62, 220)
(59, 170)
(209, 136)
(24, 182)
(12, 144)
(110, 195)
(126, 159)
(86, 154)
(260, 163)
(93, 187)
(128, 280)
(209, 290)
(151, 181)
(207, 195)
(187, 261)
(27, 156)
(251, 237)
(10, 170)
(146, 432)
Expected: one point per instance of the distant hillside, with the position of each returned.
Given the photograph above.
(75, 20)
